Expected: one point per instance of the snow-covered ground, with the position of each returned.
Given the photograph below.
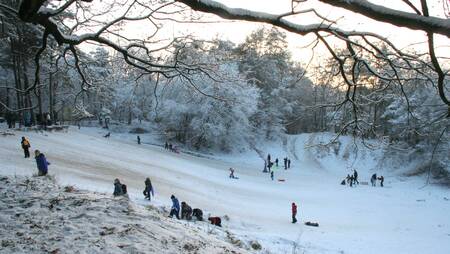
(38, 216)
(399, 218)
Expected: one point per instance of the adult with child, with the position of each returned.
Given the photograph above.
(26, 147)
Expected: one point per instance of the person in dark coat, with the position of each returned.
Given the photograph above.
(294, 212)
(148, 189)
(268, 158)
(41, 162)
(175, 210)
(285, 163)
(118, 188)
(373, 180)
(215, 221)
(355, 177)
(289, 163)
(198, 213)
(381, 178)
(139, 140)
(107, 135)
(186, 211)
(232, 173)
(276, 162)
(26, 147)
(271, 175)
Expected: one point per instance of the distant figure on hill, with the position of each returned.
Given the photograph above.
(148, 191)
(381, 178)
(271, 175)
(268, 158)
(166, 146)
(186, 211)
(198, 213)
(289, 163)
(26, 147)
(276, 162)
(107, 135)
(175, 210)
(170, 147)
(355, 177)
(294, 212)
(232, 173)
(119, 188)
(285, 162)
(373, 180)
(139, 140)
(41, 162)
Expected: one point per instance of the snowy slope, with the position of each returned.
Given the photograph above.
(400, 218)
(38, 216)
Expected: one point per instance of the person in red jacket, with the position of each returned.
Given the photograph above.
(294, 213)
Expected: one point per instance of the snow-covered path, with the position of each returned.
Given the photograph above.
(397, 219)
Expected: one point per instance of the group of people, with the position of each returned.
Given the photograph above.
(186, 211)
(352, 180)
(374, 178)
(170, 147)
(41, 161)
(268, 164)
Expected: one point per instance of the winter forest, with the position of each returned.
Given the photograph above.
(172, 68)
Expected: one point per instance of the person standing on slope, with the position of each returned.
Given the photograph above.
(355, 177)
(381, 178)
(26, 147)
(285, 162)
(41, 162)
(271, 174)
(175, 210)
(289, 163)
(294, 212)
(148, 191)
(373, 180)
(276, 162)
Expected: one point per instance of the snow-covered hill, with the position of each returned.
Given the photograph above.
(38, 216)
(399, 218)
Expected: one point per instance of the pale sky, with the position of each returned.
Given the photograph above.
(236, 31)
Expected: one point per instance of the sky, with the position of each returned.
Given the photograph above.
(237, 31)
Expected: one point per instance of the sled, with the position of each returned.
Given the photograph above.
(311, 224)
(281, 180)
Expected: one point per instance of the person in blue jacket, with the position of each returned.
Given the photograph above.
(175, 210)
(41, 162)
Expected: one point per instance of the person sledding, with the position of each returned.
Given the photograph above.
(294, 212)
(148, 191)
(175, 210)
(26, 147)
(232, 176)
(119, 188)
(41, 162)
